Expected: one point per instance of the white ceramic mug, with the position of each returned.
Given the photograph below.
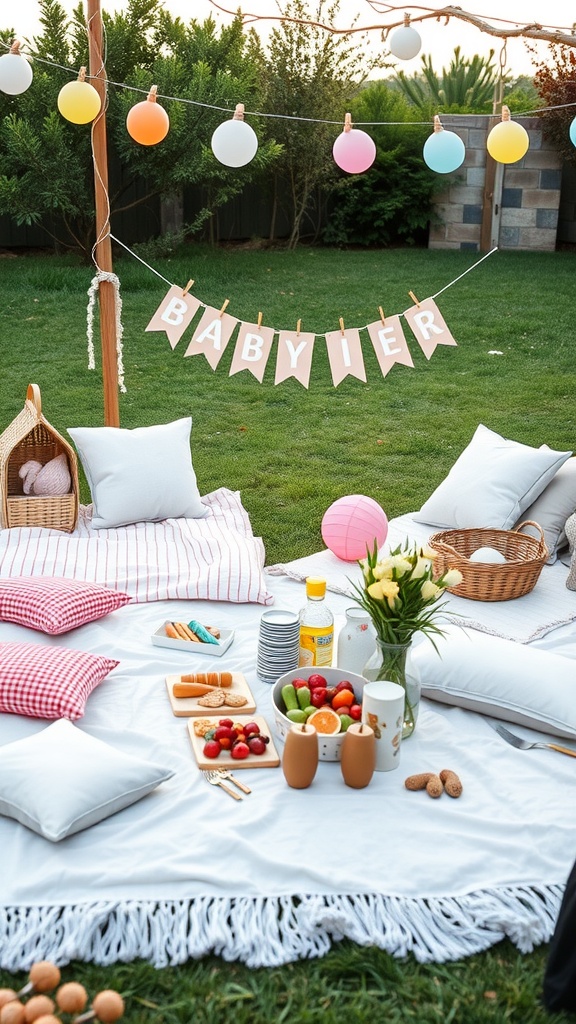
(383, 711)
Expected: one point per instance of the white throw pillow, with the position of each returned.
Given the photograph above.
(61, 780)
(553, 507)
(514, 682)
(491, 483)
(140, 475)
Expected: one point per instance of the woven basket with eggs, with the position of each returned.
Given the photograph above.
(517, 574)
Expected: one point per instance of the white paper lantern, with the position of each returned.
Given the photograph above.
(235, 143)
(15, 72)
(405, 43)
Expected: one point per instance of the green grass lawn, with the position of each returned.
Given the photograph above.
(291, 452)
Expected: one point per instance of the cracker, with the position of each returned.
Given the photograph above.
(202, 726)
(214, 699)
(235, 700)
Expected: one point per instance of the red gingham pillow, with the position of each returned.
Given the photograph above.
(54, 605)
(48, 682)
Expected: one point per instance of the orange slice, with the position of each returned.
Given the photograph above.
(325, 720)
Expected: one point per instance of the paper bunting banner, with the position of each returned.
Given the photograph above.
(294, 357)
(345, 355)
(389, 343)
(294, 352)
(174, 314)
(252, 349)
(212, 335)
(428, 326)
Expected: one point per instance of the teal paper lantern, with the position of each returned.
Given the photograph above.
(573, 132)
(443, 151)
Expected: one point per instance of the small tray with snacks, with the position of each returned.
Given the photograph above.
(199, 728)
(174, 635)
(209, 693)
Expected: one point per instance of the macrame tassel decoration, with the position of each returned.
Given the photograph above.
(103, 275)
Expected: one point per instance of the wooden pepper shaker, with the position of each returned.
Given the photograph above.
(358, 755)
(300, 759)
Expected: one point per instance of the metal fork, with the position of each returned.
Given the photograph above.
(521, 744)
(216, 780)
(225, 773)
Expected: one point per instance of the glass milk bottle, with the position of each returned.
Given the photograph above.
(316, 626)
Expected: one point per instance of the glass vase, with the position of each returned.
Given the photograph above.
(391, 661)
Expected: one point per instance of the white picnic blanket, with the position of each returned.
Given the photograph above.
(284, 873)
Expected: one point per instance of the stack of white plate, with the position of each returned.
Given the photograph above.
(278, 644)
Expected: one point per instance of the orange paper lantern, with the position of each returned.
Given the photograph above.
(148, 122)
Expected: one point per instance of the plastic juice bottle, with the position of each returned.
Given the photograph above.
(316, 626)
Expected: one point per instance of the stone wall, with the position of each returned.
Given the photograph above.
(514, 206)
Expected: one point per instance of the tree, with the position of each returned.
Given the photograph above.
(209, 73)
(466, 86)
(395, 16)
(311, 74)
(46, 171)
(555, 81)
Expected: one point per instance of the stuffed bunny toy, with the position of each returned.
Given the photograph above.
(52, 479)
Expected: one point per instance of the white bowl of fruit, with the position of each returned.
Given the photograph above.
(328, 698)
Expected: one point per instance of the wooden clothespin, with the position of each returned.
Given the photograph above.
(298, 326)
(225, 303)
(342, 326)
(382, 317)
(347, 122)
(188, 287)
(414, 299)
(259, 320)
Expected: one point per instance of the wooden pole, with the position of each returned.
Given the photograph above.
(106, 291)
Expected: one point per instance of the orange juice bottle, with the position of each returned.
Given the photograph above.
(316, 626)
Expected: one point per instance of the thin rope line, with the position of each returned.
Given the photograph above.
(276, 329)
(288, 117)
(136, 257)
(481, 260)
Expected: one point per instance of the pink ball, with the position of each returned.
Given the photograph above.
(354, 151)
(352, 524)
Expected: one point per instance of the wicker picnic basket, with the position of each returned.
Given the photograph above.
(492, 581)
(30, 436)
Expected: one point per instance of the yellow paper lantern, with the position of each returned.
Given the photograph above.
(508, 141)
(148, 122)
(78, 101)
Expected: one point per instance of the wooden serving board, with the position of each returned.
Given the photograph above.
(270, 759)
(183, 707)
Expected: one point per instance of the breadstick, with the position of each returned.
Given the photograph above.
(212, 679)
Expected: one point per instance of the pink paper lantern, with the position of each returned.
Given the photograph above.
(354, 151)
(352, 524)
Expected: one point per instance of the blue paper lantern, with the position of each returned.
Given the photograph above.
(443, 151)
(573, 132)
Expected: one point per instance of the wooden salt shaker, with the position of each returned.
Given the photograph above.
(300, 759)
(358, 755)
